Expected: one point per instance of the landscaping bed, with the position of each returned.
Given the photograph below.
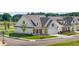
(10, 33)
(30, 36)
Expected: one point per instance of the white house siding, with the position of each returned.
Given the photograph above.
(56, 25)
(18, 30)
(59, 27)
(19, 23)
(52, 29)
(76, 28)
(28, 24)
(27, 31)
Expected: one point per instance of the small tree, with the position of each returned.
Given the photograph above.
(8, 25)
(23, 26)
(5, 25)
(6, 17)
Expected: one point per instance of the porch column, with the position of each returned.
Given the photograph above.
(46, 31)
(34, 31)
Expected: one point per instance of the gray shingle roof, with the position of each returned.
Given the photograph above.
(60, 21)
(41, 20)
(68, 20)
(44, 20)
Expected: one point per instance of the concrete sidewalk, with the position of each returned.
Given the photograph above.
(43, 42)
(62, 36)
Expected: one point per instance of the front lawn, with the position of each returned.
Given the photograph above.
(2, 27)
(70, 43)
(69, 33)
(29, 36)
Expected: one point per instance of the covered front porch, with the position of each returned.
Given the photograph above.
(40, 31)
(67, 29)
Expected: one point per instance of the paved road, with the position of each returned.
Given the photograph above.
(14, 42)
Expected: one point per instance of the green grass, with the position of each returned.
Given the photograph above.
(1, 22)
(30, 36)
(10, 30)
(2, 26)
(11, 33)
(69, 33)
(70, 43)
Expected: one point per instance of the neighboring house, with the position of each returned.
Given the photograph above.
(76, 23)
(42, 25)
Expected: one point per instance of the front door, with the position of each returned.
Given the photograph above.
(40, 31)
(37, 31)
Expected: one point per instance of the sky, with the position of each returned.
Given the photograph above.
(14, 13)
(53, 6)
